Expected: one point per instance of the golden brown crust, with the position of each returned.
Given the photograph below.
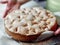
(20, 37)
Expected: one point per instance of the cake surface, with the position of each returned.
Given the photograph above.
(30, 21)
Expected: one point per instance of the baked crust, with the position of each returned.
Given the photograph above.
(20, 37)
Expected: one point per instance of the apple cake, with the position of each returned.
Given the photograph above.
(29, 23)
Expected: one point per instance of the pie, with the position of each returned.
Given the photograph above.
(29, 23)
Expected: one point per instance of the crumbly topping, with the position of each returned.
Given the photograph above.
(29, 21)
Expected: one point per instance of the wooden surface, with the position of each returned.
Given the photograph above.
(54, 40)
